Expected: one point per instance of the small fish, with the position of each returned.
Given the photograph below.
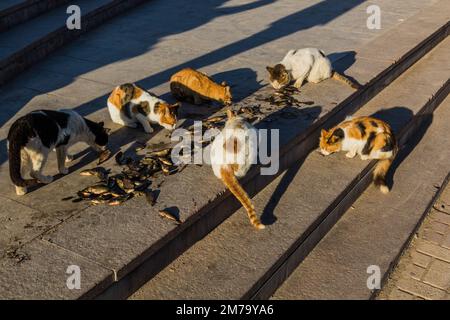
(84, 194)
(99, 172)
(104, 155)
(148, 161)
(168, 170)
(150, 196)
(165, 161)
(97, 189)
(98, 201)
(166, 214)
(124, 185)
(119, 200)
(160, 153)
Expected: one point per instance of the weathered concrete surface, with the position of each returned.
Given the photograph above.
(377, 228)
(13, 12)
(38, 270)
(22, 35)
(43, 35)
(116, 237)
(295, 201)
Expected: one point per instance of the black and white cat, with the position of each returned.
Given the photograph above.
(33, 136)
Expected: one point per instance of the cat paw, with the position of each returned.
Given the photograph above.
(69, 158)
(364, 157)
(46, 179)
(298, 85)
(149, 130)
(350, 155)
(64, 170)
(20, 191)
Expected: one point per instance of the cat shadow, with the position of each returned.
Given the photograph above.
(305, 117)
(242, 81)
(341, 61)
(397, 117)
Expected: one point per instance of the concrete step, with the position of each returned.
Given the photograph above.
(33, 39)
(120, 249)
(14, 12)
(303, 204)
(376, 229)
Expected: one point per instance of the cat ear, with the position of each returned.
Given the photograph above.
(223, 84)
(101, 124)
(323, 132)
(270, 69)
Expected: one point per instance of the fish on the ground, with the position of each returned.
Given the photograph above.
(104, 155)
(168, 215)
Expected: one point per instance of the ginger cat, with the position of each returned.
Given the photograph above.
(128, 104)
(232, 153)
(196, 87)
(369, 137)
(309, 64)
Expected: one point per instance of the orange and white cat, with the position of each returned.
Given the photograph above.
(232, 153)
(129, 105)
(368, 137)
(196, 87)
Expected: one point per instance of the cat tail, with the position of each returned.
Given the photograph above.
(379, 174)
(18, 136)
(340, 77)
(233, 185)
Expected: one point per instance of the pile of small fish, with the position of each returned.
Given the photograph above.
(284, 97)
(134, 179)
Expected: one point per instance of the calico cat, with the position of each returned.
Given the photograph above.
(196, 87)
(229, 145)
(309, 64)
(369, 137)
(33, 136)
(129, 104)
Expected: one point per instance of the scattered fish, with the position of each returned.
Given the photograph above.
(160, 153)
(98, 172)
(104, 155)
(168, 215)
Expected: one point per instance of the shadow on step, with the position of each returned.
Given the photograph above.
(398, 117)
(424, 123)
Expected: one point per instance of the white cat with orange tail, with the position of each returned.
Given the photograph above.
(233, 151)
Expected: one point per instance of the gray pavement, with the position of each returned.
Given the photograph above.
(231, 41)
